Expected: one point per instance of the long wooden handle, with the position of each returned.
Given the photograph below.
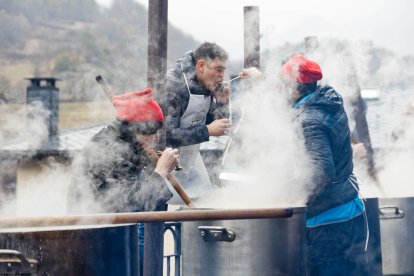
(105, 87)
(174, 182)
(122, 218)
(180, 191)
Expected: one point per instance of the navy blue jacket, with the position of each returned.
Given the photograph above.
(327, 139)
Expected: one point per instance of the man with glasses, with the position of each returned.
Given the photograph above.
(113, 172)
(196, 109)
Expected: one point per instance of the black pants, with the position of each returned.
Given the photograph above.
(338, 249)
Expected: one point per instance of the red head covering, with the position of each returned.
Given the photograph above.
(301, 70)
(137, 106)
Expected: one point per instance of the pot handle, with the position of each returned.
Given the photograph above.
(216, 233)
(17, 263)
(390, 212)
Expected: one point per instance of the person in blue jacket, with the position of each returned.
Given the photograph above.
(336, 220)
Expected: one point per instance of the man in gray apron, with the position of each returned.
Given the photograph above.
(193, 114)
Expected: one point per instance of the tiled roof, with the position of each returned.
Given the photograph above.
(74, 140)
(383, 115)
(67, 141)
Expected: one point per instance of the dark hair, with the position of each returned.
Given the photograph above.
(145, 128)
(211, 51)
(306, 88)
(302, 88)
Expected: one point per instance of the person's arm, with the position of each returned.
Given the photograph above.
(124, 191)
(318, 146)
(154, 191)
(117, 183)
(176, 103)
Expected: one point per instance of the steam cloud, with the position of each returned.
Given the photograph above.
(271, 160)
(275, 174)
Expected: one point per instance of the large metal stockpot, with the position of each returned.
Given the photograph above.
(256, 247)
(70, 250)
(397, 235)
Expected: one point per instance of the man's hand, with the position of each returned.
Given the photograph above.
(359, 150)
(219, 127)
(167, 162)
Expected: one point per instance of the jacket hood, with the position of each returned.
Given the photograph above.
(326, 98)
(185, 65)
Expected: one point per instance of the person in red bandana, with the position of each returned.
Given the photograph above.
(336, 222)
(114, 173)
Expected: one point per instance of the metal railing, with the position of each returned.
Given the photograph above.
(175, 229)
(154, 225)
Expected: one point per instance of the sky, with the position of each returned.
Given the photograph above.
(388, 23)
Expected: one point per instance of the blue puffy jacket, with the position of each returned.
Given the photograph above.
(327, 139)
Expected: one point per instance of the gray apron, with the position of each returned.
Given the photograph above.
(194, 178)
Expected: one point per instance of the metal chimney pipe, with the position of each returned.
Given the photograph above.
(251, 37)
(311, 44)
(156, 77)
(157, 44)
(157, 53)
(44, 90)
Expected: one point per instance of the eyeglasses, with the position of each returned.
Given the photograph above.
(219, 69)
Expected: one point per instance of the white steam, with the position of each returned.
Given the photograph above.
(42, 189)
(271, 159)
(266, 153)
(275, 174)
(17, 126)
(396, 158)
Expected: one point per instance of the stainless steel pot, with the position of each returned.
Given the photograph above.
(397, 235)
(70, 250)
(373, 254)
(256, 247)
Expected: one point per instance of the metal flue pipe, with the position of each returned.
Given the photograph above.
(251, 37)
(157, 44)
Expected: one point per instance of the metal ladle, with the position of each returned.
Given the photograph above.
(233, 79)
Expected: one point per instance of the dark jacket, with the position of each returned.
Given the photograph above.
(176, 102)
(328, 142)
(110, 176)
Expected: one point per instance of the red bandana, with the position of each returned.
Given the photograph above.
(137, 106)
(301, 70)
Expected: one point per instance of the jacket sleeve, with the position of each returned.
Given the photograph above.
(154, 192)
(107, 182)
(176, 104)
(128, 193)
(318, 146)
